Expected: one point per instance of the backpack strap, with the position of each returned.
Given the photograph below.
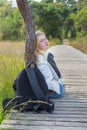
(34, 83)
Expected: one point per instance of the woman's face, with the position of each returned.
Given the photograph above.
(43, 43)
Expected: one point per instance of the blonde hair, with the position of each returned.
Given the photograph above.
(37, 35)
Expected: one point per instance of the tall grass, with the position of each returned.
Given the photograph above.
(80, 44)
(11, 63)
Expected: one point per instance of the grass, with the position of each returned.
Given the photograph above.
(80, 44)
(11, 62)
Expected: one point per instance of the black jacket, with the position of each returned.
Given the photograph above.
(50, 59)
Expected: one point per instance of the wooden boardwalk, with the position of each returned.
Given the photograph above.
(70, 110)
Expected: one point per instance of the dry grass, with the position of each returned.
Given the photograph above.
(80, 46)
(14, 48)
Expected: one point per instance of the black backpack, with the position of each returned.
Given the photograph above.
(31, 92)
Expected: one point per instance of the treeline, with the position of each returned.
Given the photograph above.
(60, 19)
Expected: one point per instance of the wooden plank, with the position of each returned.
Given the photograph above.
(51, 119)
(26, 127)
(46, 115)
(60, 122)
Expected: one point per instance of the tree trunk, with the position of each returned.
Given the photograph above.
(30, 31)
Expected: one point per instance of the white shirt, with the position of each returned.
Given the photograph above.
(48, 73)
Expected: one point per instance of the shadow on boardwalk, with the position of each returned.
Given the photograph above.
(70, 110)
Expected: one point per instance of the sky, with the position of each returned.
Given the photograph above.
(14, 2)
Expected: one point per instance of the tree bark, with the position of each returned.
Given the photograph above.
(30, 31)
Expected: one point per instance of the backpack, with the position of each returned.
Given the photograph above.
(31, 92)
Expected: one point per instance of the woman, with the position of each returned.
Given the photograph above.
(46, 64)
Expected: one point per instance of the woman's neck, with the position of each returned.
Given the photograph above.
(41, 52)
